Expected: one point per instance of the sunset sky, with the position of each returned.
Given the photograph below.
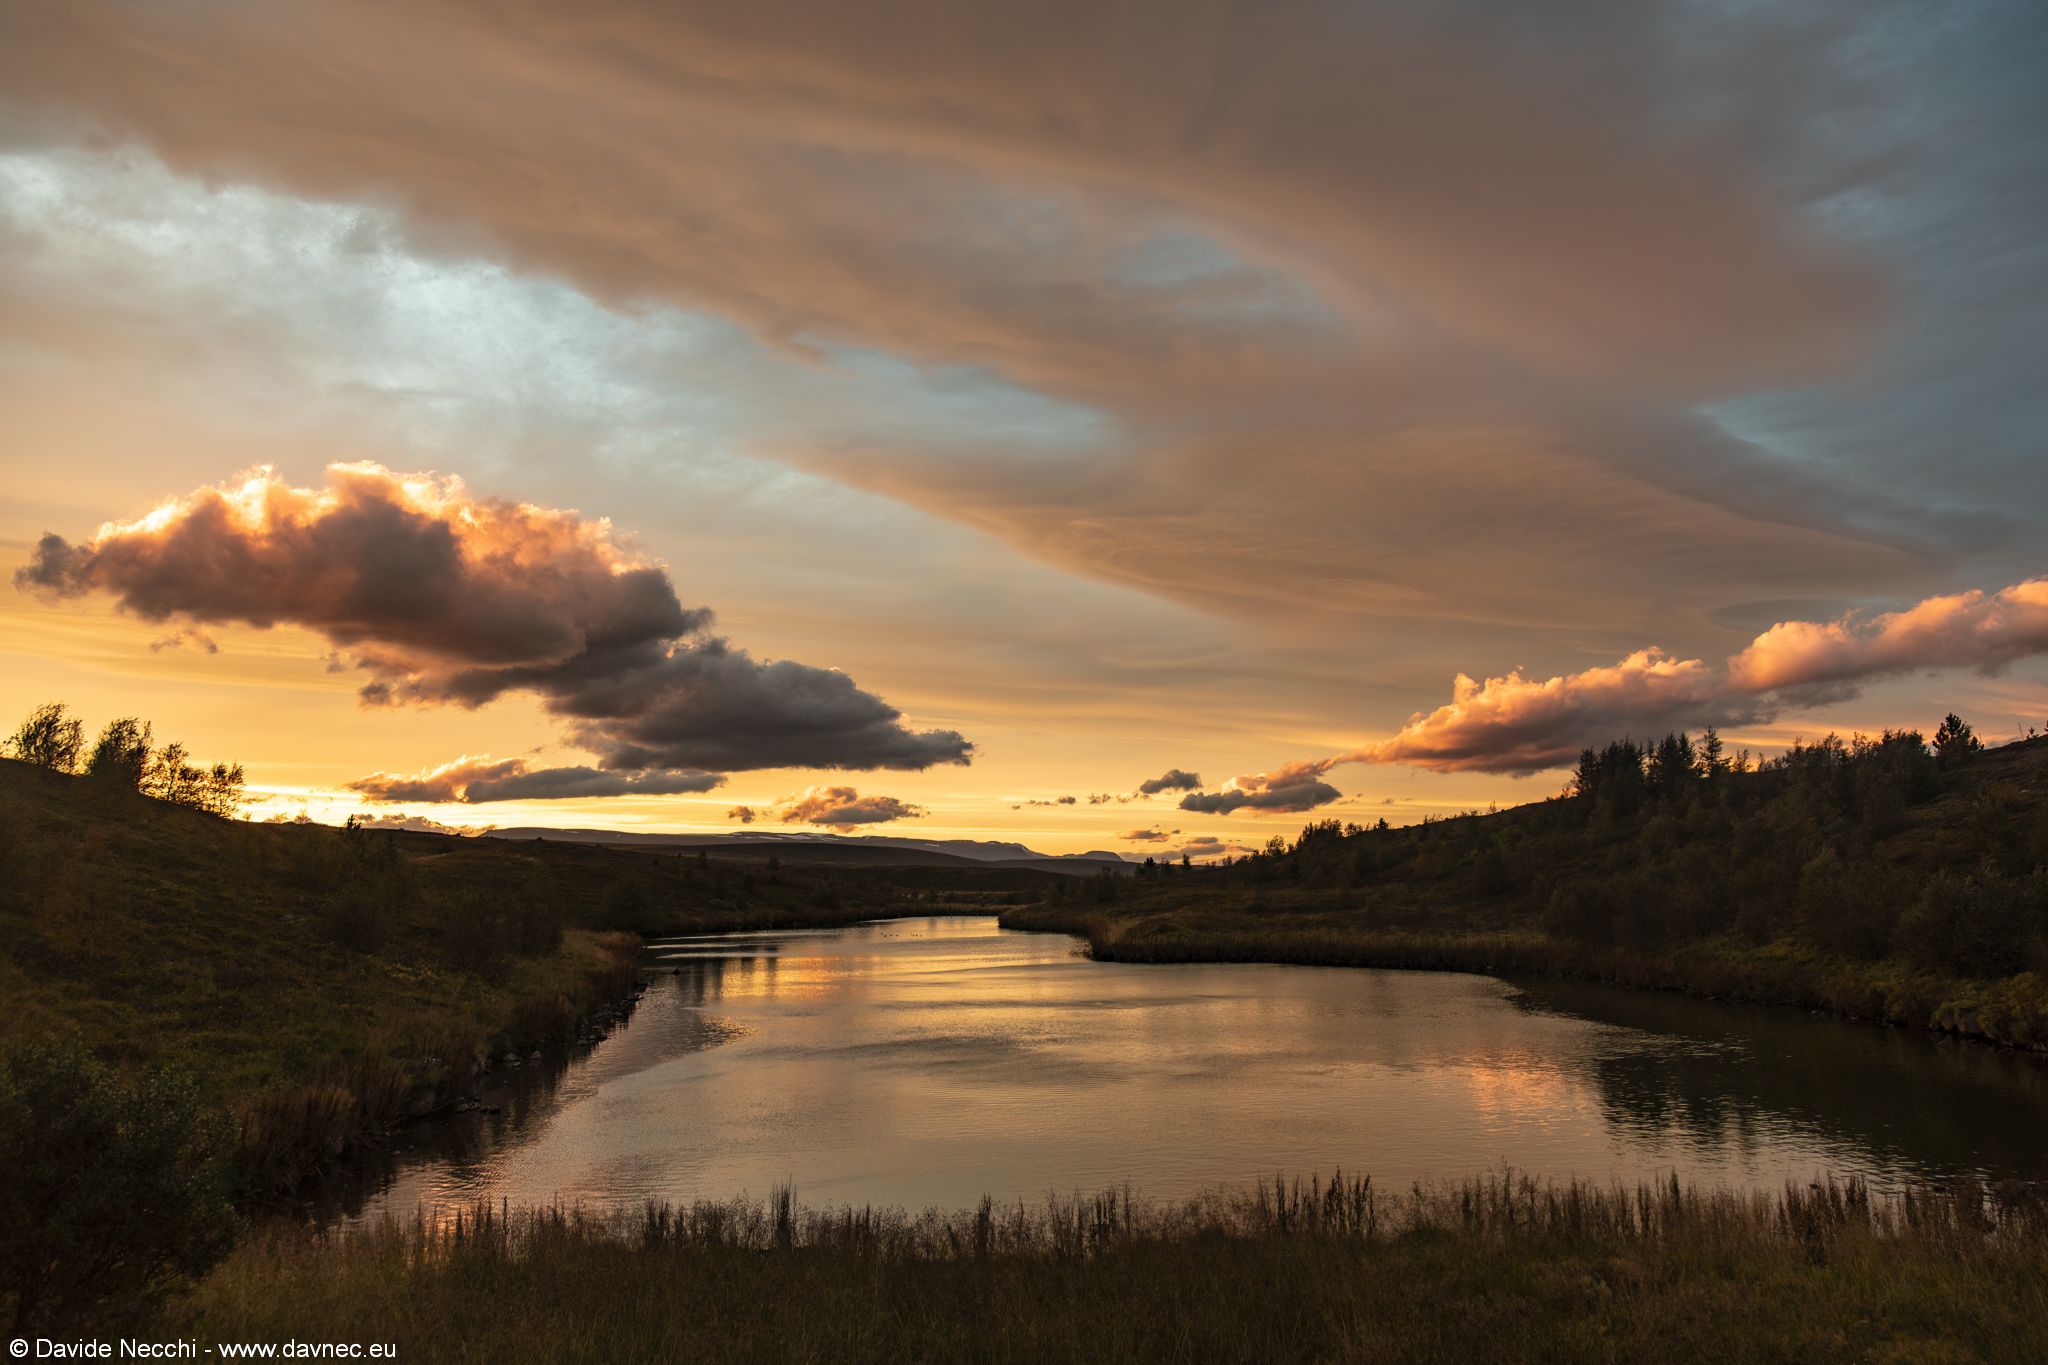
(902, 416)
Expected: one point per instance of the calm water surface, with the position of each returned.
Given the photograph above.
(921, 1062)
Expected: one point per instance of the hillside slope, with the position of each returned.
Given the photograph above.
(1859, 877)
(321, 984)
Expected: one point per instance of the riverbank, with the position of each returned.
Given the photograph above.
(1501, 1269)
(2012, 1012)
(1861, 877)
(319, 986)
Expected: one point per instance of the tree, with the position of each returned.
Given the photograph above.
(168, 777)
(121, 755)
(50, 738)
(1711, 760)
(1673, 765)
(221, 792)
(1955, 743)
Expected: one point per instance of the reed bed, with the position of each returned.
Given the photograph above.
(1504, 1207)
(1504, 1267)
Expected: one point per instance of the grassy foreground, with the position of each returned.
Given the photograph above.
(1501, 1269)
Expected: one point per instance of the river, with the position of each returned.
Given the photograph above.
(928, 1061)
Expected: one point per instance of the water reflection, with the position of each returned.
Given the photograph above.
(925, 1062)
(1731, 1073)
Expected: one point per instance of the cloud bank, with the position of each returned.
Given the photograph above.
(1516, 724)
(444, 597)
(1397, 259)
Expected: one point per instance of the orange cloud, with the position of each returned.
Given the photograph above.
(842, 808)
(1517, 724)
(1965, 630)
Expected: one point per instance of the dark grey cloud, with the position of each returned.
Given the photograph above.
(1298, 796)
(1172, 780)
(447, 598)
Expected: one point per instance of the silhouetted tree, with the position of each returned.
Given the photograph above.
(220, 793)
(1712, 763)
(1673, 765)
(121, 754)
(50, 738)
(1955, 743)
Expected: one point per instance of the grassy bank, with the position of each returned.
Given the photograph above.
(1500, 1269)
(2011, 1011)
(320, 985)
(1860, 878)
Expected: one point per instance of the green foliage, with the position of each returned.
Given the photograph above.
(1847, 907)
(1982, 924)
(113, 1193)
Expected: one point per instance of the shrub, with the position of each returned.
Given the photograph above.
(1984, 925)
(1847, 908)
(113, 1194)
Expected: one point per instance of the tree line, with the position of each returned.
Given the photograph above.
(126, 756)
(1652, 846)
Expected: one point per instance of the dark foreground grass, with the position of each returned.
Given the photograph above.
(1500, 1269)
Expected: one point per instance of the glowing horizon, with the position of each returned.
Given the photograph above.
(824, 419)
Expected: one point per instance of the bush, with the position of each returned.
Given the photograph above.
(1580, 911)
(474, 935)
(114, 1193)
(1985, 925)
(1847, 908)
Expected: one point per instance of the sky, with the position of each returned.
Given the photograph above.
(1096, 425)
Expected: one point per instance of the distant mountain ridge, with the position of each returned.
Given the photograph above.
(866, 847)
